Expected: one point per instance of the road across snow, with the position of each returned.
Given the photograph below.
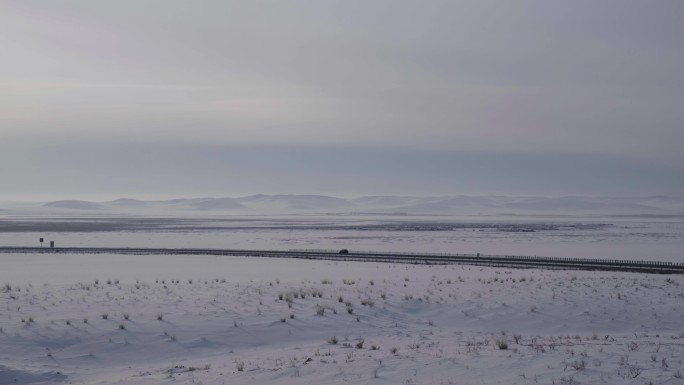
(660, 267)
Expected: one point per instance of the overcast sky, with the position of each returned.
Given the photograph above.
(223, 98)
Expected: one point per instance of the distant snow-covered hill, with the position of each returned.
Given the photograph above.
(389, 204)
(218, 204)
(297, 202)
(75, 205)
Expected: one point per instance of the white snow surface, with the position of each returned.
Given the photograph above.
(170, 319)
(570, 237)
(141, 319)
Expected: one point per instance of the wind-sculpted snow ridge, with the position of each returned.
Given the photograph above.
(181, 319)
(13, 376)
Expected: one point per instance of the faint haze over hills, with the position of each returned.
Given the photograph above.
(103, 171)
(394, 205)
(168, 98)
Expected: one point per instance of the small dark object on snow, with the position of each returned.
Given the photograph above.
(344, 251)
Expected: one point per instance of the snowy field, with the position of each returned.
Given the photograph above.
(573, 237)
(153, 319)
(120, 319)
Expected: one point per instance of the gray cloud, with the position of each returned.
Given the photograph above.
(497, 80)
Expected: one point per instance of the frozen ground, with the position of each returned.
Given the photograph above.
(123, 319)
(105, 319)
(650, 228)
(574, 237)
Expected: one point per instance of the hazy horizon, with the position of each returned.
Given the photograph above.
(107, 198)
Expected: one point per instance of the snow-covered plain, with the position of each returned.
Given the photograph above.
(112, 319)
(574, 237)
(155, 319)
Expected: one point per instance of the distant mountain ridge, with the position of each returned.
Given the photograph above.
(76, 205)
(302, 202)
(458, 204)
